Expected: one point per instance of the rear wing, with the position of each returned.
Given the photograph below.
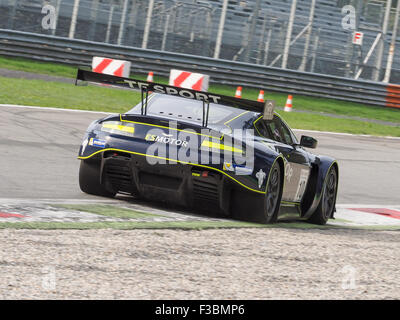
(145, 87)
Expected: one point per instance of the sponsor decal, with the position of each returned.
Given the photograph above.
(243, 170)
(97, 143)
(260, 175)
(84, 145)
(228, 166)
(202, 96)
(166, 139)
(288, 170)
(240, 170)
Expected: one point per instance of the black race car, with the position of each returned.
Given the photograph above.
(230, 156)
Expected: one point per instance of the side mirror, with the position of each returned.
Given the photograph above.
(308, 142)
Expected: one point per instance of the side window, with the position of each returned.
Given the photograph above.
(284, 131)
(261, 129)
(275, 130)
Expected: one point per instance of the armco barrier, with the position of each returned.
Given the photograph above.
(80, 53)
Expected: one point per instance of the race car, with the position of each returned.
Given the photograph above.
(233, 157)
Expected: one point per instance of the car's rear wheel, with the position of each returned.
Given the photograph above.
(328, 200)
(273, 195)
(89, 179)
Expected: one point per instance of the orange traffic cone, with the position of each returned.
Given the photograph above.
(150, 77)
(261, 96)
(289, 102)
(238, 93)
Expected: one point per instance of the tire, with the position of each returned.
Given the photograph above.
(327, 204)
(273, 195)
(89, 180)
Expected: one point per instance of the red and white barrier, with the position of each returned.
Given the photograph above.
(112, 67)
(189, 80)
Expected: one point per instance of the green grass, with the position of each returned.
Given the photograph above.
(53, 69)
(323, 123)
(61, 95)
(124, 213)
(321, 105)
(108, 211)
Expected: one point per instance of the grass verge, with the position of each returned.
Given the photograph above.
(94, 98)
(323, 105)
(113, 211)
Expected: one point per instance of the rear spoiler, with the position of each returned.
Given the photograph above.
(145, 87)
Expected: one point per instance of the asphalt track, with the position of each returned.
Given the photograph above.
(39, 149)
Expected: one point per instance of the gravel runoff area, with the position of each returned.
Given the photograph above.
(208, 264)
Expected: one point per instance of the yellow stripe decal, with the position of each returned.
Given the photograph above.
(177, 161)
(118, 127)
(215, 145)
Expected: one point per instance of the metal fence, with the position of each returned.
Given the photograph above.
(80, 52)
(304, 35)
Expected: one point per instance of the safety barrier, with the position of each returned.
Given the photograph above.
(81, 52)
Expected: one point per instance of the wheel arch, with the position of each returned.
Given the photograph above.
(282, 169)
(313, 195)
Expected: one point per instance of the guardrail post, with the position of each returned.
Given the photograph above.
(252, 31)
(308, 37)
(392, 45)
(110, 18)
(379, 57)
(314, 51)
(13, 4)
(148, 25)
(93, 19)
(165, 35)
(122, 25)
(289, 34)
(58, 8)
(220, 30)
(74, 19)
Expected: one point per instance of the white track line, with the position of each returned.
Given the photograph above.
(49, 108)
(347, 134)
(366, 206)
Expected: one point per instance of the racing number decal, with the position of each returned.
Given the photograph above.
(301, 188)
(288, 171)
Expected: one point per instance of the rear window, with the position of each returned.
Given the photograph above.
(184, 109)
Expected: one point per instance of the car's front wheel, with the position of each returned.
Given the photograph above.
(328, 200)
(89, 179)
